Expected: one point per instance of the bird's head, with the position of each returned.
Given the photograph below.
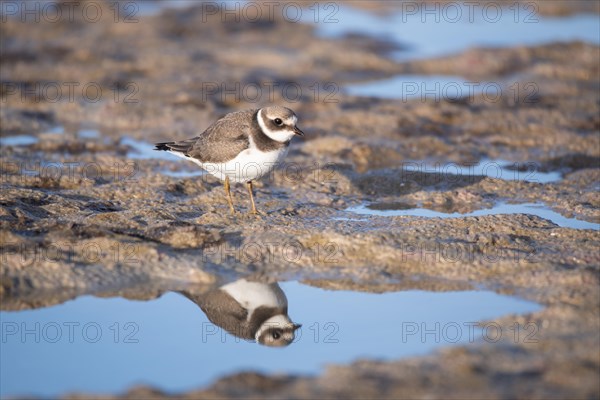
(279, 123)
(277, 331)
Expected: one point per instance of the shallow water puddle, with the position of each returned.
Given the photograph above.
(153, 7)
(26, 140)
(141, 150)
(501, 208)
(88, 134)
(439, 29)
(20, 140)
(434, 30)
(99, 345)
(528, 171)
(57, 130)
(424, 87)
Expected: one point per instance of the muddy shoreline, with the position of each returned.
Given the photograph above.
(94, 215)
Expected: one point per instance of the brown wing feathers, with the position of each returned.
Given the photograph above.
(221, 142)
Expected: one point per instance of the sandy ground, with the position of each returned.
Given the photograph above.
(68, 202)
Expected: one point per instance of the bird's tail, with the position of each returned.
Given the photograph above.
(179, 147)
(165, 146)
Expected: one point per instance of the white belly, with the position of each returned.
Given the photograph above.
(249, 165)
(252, 295)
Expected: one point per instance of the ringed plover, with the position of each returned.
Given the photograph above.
(241, 146)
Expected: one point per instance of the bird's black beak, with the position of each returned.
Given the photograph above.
(296, 326)
(298, 132)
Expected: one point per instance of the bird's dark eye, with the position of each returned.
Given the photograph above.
(278, 121)
(276, 334)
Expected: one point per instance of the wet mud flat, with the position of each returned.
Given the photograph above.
(86, 208)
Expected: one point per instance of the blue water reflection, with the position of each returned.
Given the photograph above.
(106, 345)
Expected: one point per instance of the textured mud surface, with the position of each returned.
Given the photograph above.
(93, 214)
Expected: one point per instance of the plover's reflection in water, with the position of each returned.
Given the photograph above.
(249, 310)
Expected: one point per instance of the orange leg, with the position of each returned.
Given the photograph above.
(249, 186)
(228, 193)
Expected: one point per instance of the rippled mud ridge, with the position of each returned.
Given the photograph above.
(420, 241)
